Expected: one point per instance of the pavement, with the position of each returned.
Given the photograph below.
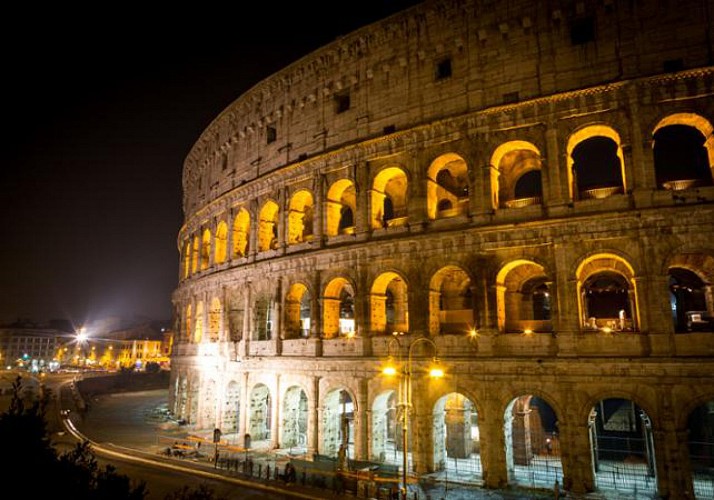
(138, 424)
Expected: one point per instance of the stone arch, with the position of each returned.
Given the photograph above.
(268, 226)
(294, 418)
(339, 409)
(386, 429)
(298, 308)
(389, 198)
(706, 157)
(447, 187)
(513, 168)
(389, 305)
(241, 233)
(599, 144)
(523, 295)
(700, 444)
(194, 255)
(231, 408)
(215, 320)
(532, 442)
(340, 208)
(607, 293)
(263, 318)
(338, 314)
(690, 290)
(221, 250)
(260, 411)
(622, 440)
(456, 437)
(300, 217)
(198, 324)
(451, 304)
(206, 249)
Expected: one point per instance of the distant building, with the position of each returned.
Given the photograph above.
(32, 348)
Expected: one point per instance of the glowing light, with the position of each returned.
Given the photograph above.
(473, 333)
(606, 329)
(436, 372)
(350, 335)
(527, 331)
(390, 371)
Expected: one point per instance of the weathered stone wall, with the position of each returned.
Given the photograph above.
(465, 269)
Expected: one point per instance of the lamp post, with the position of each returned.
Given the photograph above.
(405, 391)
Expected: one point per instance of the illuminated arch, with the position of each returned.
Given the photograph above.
(690, 277)
(523, 297)
(187, 259)
(451, 307)
(198, 324)
(447, 187)
(510, 162)
(293, 429)
(206, 249)
(241, 233)
(338, 422)
(696, 168)
(194, 255)
(338, 316)
(389, 309)
(607, 293)
(231, 407)
(268, 227)
(456, 435)
(579, 188)
(386, 428)
(215, 318)
(300, 217)
(389, 198)
(340, 208)
(261, 413)
(298, 308)
(221, 251)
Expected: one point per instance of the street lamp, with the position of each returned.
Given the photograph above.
(405, 391)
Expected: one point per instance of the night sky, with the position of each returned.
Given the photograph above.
(100, 109)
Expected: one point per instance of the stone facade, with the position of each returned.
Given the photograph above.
(495, 177)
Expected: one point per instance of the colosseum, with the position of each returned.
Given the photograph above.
(518, 193)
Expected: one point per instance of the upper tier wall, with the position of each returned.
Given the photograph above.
(437, 60)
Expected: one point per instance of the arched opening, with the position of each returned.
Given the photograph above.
(622, 447)
(515, 176)
(241, 234)
(607, 294)
(298, 305)
(194, 256)
(261, 417)
(523, 298)
(268, 227)
(215, 317)
(300, 218)
(206, 250)
(457, 442)
(688, 300)
(595, 163)
(388, 304)
(231, 408)
(294, 425)
(340, 208)
(701, 449)
(187, 260)
(187, 324)
(198, 326)
(386, 445)
(208, 405)
(389, 198)
(532, 443)
(451, 305)
(338, 309)
(447, 187)
(338, 424)
(221, 253)
(263, 318)
(683, 148)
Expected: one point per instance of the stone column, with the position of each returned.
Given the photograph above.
(244, 414)
(493, 455)
(313, 417)
(362, 213)
(418, 305)
(640, 154)
(575, 454)
(254, 229)
(278, 317)
(361, 421)
(416, 192)
(555, 188)
(275, 405)
(318, 218)
(566, 302)
(244, 347)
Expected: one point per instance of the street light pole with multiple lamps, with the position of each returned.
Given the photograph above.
(405, 389)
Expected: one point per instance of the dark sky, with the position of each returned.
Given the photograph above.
(100, 108)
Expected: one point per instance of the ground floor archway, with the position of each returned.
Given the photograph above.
(456, 438)
(294, 419)
(338, 424)
(260, 419)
